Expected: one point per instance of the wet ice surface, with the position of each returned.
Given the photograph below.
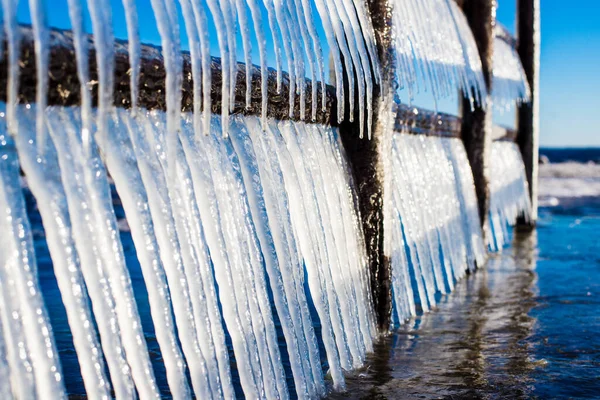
(528, 326)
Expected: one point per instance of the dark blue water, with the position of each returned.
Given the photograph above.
(526, 326)
(559, 155)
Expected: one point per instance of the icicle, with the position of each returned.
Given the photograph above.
(222, 38)
(196, 59)
(361, 63)
(21, 382)
(245, 31)
(300, 73)
(20, 271)
(44, 180)
(168, 28)
(298, 14)
(273, 25)
(229, 18)
(262, 52)
(13, 38)
(104, 45)
(202, 28)
(133, 42)
(316, 42)
(80, 42)
(509, 79)
(41, 48)
(335, 50)
(282, 21)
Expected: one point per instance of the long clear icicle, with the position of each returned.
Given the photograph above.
(257, 21)
(191, 28)
(100, 13)
(13, 38)
(81, 57)
(222, 38)
(133, 43)
(168, 28)
(41, 48)
(202, 27)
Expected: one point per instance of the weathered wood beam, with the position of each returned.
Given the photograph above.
(64, 85)
(528, 47)
(477, 122)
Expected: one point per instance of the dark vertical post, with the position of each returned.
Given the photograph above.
(477, 122)
(528, 47)
(366, 159)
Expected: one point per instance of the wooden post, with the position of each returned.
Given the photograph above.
(528, 47)
(477, 122)
(366, 159)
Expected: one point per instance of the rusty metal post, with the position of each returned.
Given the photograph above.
(528, 47)
(366, 159)
(477, 122)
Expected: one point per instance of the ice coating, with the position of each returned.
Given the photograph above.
(133, 43)
(41, 47)
(509, 85)
(434, 223)
(88, 194)
(44, 180)
(436, 49)
(33, 331)
(81, 57)
(509, 192)
(12, 30)
(101, 16)
(224, 251)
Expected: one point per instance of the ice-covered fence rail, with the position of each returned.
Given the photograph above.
(509, 80)
(509, 197)
(414, 120)
(64, 85)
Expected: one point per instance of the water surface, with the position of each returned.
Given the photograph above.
(526, 326)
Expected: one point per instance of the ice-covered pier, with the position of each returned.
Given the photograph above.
(220, 222)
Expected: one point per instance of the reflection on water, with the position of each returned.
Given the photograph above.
(507, 330)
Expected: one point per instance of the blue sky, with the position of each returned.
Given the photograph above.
(570, 61)
(569, 71)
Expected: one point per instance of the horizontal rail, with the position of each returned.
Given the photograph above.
(414, 120)
(64, 85)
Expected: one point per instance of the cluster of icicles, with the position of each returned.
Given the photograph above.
(509, 192)
(260, 222)
(293, 27)
(433, 232)
(509, 80)
(436, 50)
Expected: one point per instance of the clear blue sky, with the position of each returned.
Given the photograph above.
(570, 61)
(570, 70)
